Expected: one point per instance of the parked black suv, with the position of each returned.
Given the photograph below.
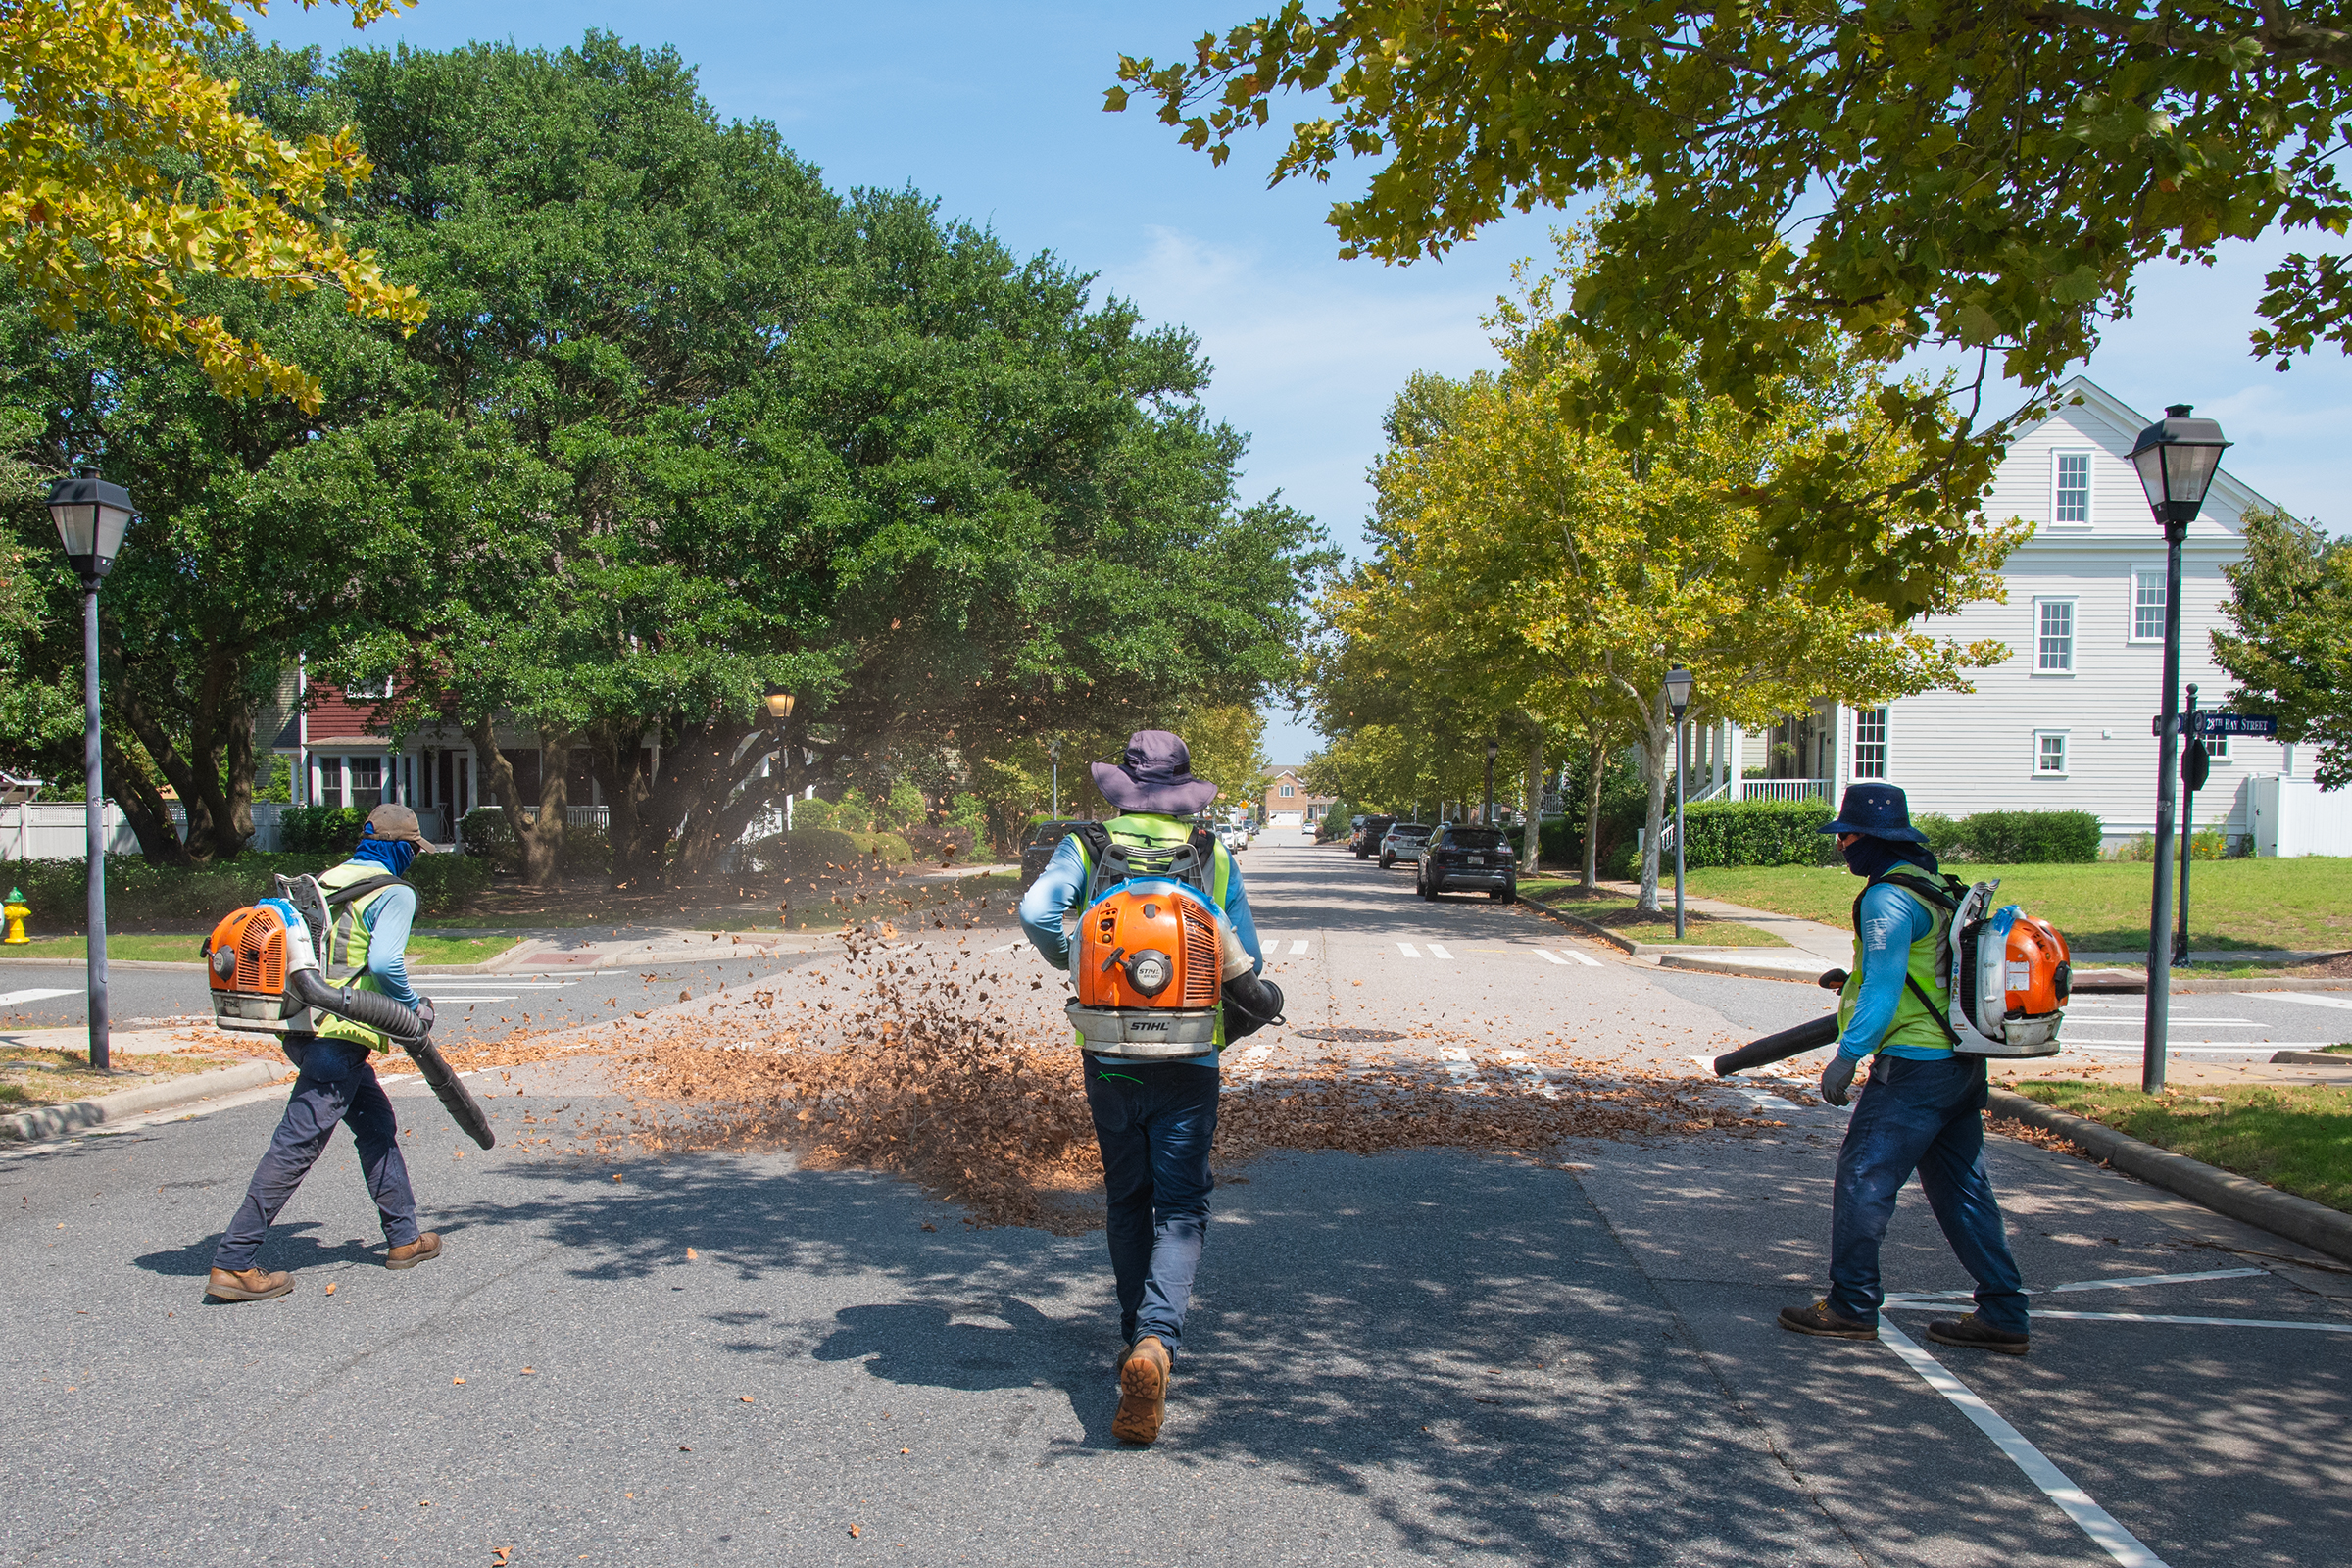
(1038, 846)
(1367, 838)
(1460, 858)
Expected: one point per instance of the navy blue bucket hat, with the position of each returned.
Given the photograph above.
(1155, 774)
(1876, 810)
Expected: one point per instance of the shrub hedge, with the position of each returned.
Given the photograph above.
(320, 829)
(2031, 838)
(807, 851)
(141, 894)
(889, 847)
(1757, 833)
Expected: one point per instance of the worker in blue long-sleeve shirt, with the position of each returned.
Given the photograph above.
(1923, 1106)
(1153, 1120)
(335, 1080)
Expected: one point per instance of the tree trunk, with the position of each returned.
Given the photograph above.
(1658, 742)
(1601, 769)
(542, 841)
(143, 806)
(1532, 849)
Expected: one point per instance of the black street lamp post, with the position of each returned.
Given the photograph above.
(91, 517)
(1488, 818)
(1053, 753)
(2175, 457)
(1677, 698)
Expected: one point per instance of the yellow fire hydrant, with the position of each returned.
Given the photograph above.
(15, 909)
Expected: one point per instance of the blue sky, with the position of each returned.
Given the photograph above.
(996, 110)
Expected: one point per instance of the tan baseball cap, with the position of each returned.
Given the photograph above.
(398, 823)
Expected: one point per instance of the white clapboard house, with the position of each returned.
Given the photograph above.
(2064, 723)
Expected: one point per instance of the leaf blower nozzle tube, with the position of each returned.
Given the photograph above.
(1787, 1042)
(373, 1009)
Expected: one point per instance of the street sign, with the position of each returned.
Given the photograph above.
(2262, 724)
(2196, 766)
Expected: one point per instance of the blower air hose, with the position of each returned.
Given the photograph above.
(373, 1009)
(1787, 1042)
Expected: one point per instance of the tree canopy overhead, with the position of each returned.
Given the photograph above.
(1907, 173)
(127, 169)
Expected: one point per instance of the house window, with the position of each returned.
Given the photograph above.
(366, 782)
(2055, 639)
(1286, 792)
(369, 691)
(2147, 606)
(1870, 743)
(2049, 754)
(2072, 500)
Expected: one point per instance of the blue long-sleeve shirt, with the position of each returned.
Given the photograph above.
(1891, 921)
(388, 920)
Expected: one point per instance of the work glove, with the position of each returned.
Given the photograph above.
(425, 1013)
(1838, 1077)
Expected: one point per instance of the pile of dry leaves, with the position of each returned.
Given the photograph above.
(935, 1065)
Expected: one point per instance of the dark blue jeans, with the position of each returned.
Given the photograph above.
(1155, 1123)
(1923, 1116)
(336, 1084)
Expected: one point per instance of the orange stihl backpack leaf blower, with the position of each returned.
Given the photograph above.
(1154, 965)
(263, 964)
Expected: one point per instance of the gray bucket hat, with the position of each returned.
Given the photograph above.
(1155, 774)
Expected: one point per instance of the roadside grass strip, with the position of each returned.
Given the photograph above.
(2294, 1137)
(2094, 1521)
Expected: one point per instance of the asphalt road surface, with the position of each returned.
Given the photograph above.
(1404, 1358)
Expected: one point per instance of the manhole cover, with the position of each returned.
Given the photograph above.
(1353, 1037)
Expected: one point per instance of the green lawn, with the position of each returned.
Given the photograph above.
(31, 1075)
(2297, 1139)
(423, 948)
(2304, 904)
(1616, 912)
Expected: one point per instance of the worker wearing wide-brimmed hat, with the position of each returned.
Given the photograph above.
(1153, 1120)
(1923, 1106)
(337, 1083)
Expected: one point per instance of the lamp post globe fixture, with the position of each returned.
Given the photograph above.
(1677, 698)
(1488, 818)
(2176, 457)
(91, 517)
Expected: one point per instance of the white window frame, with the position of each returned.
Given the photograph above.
(1884, 742)
(2132, 605)
(2090, 468)
(369, 691)
(2065, 751)
(1286, 792)
(2074, 631)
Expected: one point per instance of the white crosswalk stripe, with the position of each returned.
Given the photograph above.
(1407, 949)
(8, 999)
(1437, 952)
(1552, 958)
(1298, 947)
(1585, 959)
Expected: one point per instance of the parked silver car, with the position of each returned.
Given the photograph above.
(1403, 842)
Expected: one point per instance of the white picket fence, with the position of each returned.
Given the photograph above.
(58, 830)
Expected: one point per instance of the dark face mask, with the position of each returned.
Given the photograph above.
(1867, 857)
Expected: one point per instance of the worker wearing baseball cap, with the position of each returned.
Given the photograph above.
(335, 1080)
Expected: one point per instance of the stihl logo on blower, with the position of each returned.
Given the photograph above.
(263, 964)
(1156, 967)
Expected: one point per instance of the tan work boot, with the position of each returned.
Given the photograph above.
(424, 1250)
(246, 1285)
(1143, 1392)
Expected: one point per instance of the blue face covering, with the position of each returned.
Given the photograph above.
(393, 854)
(1869, 857)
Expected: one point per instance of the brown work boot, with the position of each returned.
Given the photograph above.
(1975, 1334)
(1143, 1392)
(246, 1285)
(1819, 1320)
(424, 1250)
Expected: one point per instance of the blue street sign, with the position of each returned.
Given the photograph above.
(2262, 724)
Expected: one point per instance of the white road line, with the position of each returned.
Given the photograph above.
(1552, 958)
(2128, 1281)
(2210, 1047)
(1585, 959)
(1409, 949)
(2155, 1317)
(1298, 947)
(2094, 1521)
(2296, 997)
(8, 999)
(1437, 952)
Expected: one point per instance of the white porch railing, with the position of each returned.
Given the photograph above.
(1783, 789)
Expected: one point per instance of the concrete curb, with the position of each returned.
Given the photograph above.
(2311, 1059)
(1754, 969)
(1639, 949)
(51, 1121)
(1599, 932)
(2298, 1219)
